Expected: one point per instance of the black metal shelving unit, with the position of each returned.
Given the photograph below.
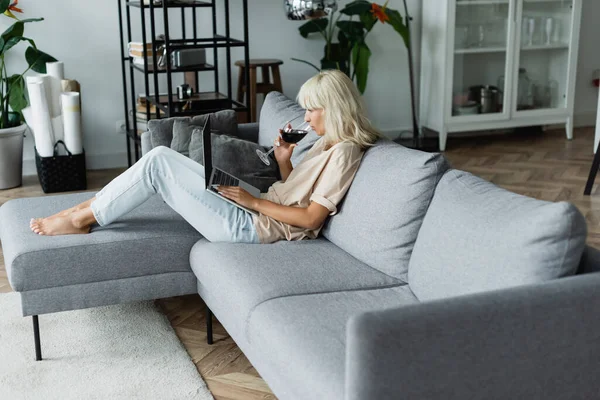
(170, 105)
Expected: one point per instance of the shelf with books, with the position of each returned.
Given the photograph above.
(171, 4)
(179, 49)
(191, 68)
(199, 103)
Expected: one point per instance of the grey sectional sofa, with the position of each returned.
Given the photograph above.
(430, 283)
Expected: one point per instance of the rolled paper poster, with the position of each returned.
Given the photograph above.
(59, 134)
(47, 81)
(70, 85)
(42, 123)
(56, 73)
(56, 70)
(71, 113)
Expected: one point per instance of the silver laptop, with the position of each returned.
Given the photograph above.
(218, 176)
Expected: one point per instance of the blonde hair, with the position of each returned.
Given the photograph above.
(344, 114)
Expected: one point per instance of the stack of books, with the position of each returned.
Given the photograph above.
(141, 115)
(141, 54)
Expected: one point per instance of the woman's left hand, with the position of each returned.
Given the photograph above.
(238, 195)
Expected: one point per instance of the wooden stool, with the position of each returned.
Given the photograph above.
(264, 87)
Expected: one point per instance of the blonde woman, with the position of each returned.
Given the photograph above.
(294, 208)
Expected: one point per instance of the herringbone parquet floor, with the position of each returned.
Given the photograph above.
(544, 166)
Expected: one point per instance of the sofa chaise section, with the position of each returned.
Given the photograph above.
(143, 256)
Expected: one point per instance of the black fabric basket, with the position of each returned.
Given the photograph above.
(61, 173)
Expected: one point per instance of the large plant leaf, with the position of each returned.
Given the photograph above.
(31, 20)
(357, 7)
(306, 62)
(397, 23)
(37, 59)
(313, 26)
(368, 20)
(14, 41)
(345, 45)
(360, 58)
(354, 30)
(15, 30)
(16, 98)
(4, 5)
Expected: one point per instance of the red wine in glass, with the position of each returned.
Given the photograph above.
(290, 135)
(293, 135)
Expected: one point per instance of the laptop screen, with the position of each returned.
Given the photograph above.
(207, 149)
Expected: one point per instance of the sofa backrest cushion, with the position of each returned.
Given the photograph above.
(478, 237)
(276, 110)
(382, 212)
(164, 131)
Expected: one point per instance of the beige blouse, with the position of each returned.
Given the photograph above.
(323, 176)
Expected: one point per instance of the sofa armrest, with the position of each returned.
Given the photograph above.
(531, 342)
(248, 131)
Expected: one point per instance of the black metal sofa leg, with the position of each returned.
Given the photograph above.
(36, 335)
(209, 335)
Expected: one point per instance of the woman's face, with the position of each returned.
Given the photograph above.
(315, 119)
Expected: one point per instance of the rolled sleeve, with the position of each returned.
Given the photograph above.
(328, 204)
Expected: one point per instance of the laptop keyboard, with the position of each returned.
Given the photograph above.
(223, 178)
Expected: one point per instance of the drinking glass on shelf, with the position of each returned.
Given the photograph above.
(462, 37)
(480, 35)
(530, 31)
(289, 134)
(549, 31)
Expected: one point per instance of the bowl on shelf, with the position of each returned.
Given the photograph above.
(469, 108)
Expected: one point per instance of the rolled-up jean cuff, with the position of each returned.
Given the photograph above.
(96, 214)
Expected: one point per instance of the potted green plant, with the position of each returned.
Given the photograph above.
(350, 53)
(12, 93)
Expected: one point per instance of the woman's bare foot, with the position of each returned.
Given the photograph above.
(77, 222)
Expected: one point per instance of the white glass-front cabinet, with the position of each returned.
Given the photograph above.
(492, 64)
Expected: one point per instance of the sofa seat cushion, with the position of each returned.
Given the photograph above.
(299, 343)
(152, 239)
(478, 237)
(241, 276)
(397, 184)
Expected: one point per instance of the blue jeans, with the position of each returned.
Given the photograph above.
(180, 182)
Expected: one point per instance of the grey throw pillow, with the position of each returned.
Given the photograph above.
(182, 134)
(163, 132)
(237, 157)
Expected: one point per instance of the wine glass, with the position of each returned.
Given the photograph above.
(530, 31)
(294, 135)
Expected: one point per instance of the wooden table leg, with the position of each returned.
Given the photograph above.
(240, 88)
(277, 79)
(266, 77)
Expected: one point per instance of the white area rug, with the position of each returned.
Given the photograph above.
(126, 351)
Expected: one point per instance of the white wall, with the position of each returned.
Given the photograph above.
(85, 35)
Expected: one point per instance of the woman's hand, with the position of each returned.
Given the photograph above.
(283, 150)
(238, 195)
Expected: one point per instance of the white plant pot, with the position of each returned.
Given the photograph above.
(11, 156)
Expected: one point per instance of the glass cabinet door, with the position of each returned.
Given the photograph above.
(543, 40)
(481, 57)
